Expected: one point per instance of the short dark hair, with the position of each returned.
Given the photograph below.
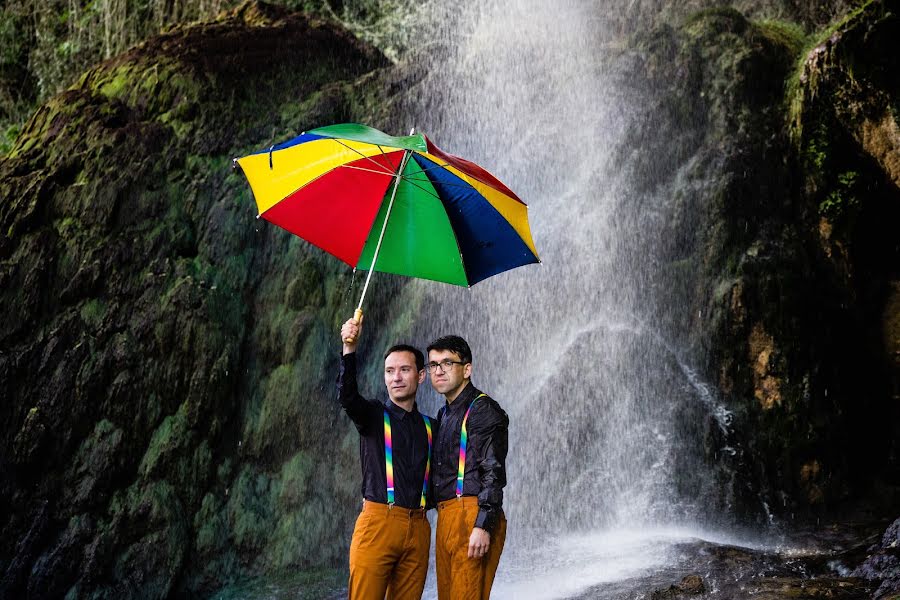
(453, 343)
(420, 358)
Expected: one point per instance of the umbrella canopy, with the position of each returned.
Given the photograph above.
(398, 202)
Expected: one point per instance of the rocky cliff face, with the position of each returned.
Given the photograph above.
(803, 313)
(780, 152)
(162, 354)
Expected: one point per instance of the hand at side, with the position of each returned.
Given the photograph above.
(479, 542)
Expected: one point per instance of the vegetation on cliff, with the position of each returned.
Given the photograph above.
(776, 148)
(163, 354)
(46, 45)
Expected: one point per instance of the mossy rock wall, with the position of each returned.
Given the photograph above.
(167, 360)
(778, 150)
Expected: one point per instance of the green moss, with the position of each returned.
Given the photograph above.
(34, 130)
(65, 226)
(92, 312)
(225, 305)
(209, 523)
(280, 407)
(178, 105)
(843, 199)
(197, 466)
(178, 288)
(295, 477)
(305, 288)
(803, 81)
(166, 443)
(301, 536)
(162, 549)
(105, 438)
(815, 150)
(174, 234)
(274, 333)
(204, 166)
(249, 510)
(715, 21)
(8, 139)
(223, 472)
(115, 82)
(782, 33)
(346, 465)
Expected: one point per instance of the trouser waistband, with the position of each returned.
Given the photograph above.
(393, 511)
(457, 502)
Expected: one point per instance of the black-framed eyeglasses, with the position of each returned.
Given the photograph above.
(444, 365)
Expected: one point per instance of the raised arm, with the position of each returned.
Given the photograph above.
(356, 407)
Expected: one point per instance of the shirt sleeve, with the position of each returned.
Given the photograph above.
(491, 428)
(356, 407)
(430, 501)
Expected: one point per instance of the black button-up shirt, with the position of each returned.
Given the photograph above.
(408, 435)
(485, 469)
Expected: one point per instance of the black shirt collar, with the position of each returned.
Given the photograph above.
(462, 402)
(396, 411)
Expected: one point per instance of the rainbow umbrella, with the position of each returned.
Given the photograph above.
(391, 204)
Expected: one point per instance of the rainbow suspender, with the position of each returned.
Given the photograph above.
(427, 461)
(389, 459)
(463, 442)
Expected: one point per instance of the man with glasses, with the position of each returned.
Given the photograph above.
(469, 475)
(391, 539)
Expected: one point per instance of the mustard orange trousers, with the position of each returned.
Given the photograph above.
(389, 553)
(458, 576)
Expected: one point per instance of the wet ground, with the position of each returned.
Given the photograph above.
(707, 570)
(812, 564)
(664, 564)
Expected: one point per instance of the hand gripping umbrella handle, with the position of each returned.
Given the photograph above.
(358, 315)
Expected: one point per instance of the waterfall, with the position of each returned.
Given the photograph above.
(608, 413)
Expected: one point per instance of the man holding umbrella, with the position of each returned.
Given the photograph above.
(391, 539)
(469, 475)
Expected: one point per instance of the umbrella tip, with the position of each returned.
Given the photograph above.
(258, 216)
(234, 163)
(412, 131)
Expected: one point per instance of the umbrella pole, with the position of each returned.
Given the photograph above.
(357, 314)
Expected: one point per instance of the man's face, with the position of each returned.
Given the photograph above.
(400, 375)
(449, 379)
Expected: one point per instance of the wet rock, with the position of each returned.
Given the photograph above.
(819, 211)
(784, 588)
(138, 289)
(734, 572)
(691, 585)
(884, 564)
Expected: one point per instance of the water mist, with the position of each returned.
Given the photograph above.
(607, 413)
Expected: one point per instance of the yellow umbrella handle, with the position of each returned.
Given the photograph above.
(358, 315)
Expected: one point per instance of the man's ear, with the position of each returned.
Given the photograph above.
(467, 371)
(421, 375)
